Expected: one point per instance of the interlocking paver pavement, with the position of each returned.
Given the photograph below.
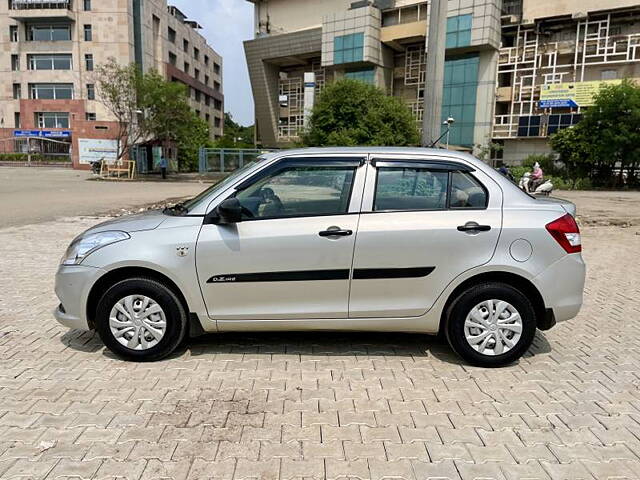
(318, 406)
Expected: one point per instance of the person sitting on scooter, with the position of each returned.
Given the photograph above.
(537, 177)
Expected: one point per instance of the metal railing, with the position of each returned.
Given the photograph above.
(225, 160)
(39, 4)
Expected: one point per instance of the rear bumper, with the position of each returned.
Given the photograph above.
(561, 286)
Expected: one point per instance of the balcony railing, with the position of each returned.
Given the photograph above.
(39, 4)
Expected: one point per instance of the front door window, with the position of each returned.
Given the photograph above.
(299, 191)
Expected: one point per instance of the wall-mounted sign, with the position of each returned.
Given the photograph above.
(96, 150)
(42, 133)
(575, 94)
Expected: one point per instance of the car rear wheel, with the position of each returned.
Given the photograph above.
(141, 319)
(491, 325)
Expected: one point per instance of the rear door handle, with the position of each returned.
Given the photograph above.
(473, 227)
(335, 232)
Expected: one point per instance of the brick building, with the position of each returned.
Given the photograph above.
(49, 49)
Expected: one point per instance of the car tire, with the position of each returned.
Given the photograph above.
(491, 324)
(141, 319)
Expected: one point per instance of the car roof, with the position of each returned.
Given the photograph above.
(439, 152)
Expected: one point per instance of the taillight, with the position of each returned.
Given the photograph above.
(566, 232)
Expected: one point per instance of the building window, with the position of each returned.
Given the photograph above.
(216, 86)
(17, 91)
(87, 5)
(171, 34)
(88, 62)
(52, 120)
(366, 75)
(217, 122)
(198, 113)
(206, 80)
(408, 14)
(48, 33)
(15, 62)
(13, 33)
(91, 117)
(187, 67)
(196, 53)
(16, 119)
(185, 45)
(558, 122)
(91, 91)
(88, 33)
(608, 75)
(49, 62)
(217, 104)
(207, 117)
(216, 68)
(196, 73)
(173, 59)
(459, 31)
(529, 126)
(51, 91)
(348, 48)
(206, 60)
(207, 100)
(459, 97)
(198, 96)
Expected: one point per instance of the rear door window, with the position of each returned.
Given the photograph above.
(410, 189)
(466, 192)
(420, 188)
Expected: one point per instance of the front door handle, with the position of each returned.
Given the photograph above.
(473, 227)
(335, 232)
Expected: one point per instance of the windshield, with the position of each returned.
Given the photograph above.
(220, 186)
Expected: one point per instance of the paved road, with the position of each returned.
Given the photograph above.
(605, 208)
(318, 406)
(32, 195)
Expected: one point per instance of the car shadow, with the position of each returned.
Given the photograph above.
(358, 344)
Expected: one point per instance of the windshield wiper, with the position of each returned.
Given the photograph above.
(177, 209)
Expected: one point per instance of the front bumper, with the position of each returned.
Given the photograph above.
(73, 284)
(562, 286)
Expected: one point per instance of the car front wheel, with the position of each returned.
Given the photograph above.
(141, 319)
(491, 325)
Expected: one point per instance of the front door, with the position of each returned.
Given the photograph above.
(290, 256)
(422, 225)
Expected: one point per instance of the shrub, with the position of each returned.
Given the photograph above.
(24, 158)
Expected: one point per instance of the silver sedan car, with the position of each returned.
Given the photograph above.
(363, 239)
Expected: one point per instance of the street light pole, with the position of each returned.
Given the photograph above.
(434, 78)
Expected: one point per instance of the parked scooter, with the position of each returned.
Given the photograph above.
(545, 188)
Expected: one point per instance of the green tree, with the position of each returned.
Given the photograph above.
(350, 113)
(149, 108)
(608, 136)
(235, 135)
(120, 90)
(192, 134)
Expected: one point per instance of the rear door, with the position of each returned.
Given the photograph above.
(423, 223)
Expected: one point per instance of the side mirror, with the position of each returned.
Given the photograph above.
(229, 211)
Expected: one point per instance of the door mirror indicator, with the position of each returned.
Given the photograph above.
(229, 211)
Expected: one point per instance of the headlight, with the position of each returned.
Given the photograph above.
(87, 244)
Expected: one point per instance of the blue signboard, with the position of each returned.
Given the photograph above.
(557, 103)
(26, 133)
(42, 133)
(50, 134)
